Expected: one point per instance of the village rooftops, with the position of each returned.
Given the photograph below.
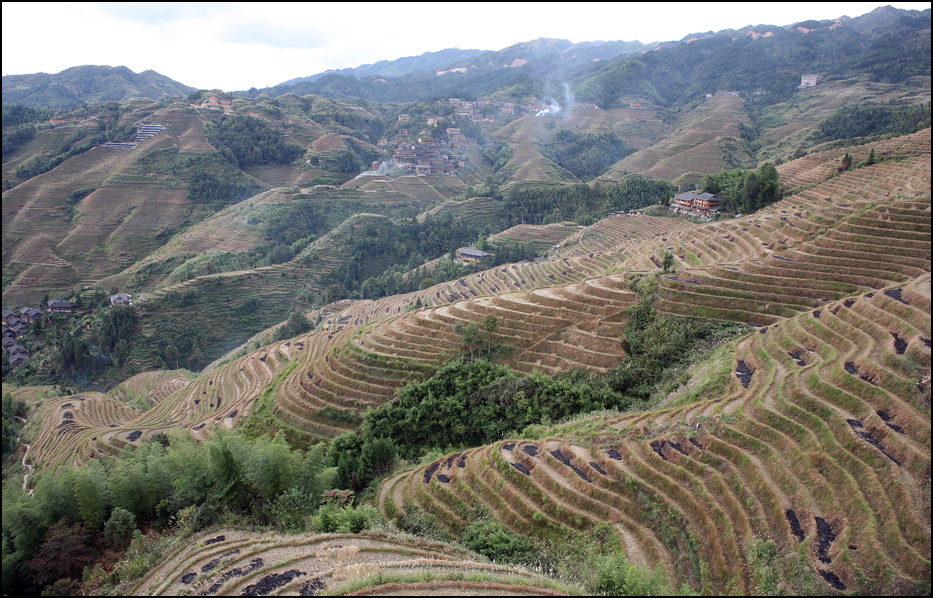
(30, 314)
(59, 306)
(470, 254)
(121, 299)
(703, 205)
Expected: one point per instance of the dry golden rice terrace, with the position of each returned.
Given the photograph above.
(821, 440)
(235, 562)
(818, 437)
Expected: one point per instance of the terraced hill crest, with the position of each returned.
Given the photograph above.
(231, 561)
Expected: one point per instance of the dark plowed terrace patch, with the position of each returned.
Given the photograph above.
(313, 587)
(656, 446)
(825, 539)
(188, 577)
(430, 472)
(462, 462)
(896, 295)
(443, 479)
(267, 584)
(796, 357)
(794, 524)
(560, 457)
(888, 421)
(849, 302)
(198, 427)
(763, 331)
(926, 341)
(214, 540)
(67, 406)
(508, 446)
(676, 446)
(134, 435)
(832, 579)
(743, 374)
(520, 468)
(214, 562)
(900, 345)
(695, 443)
(782, 258)
(870, 439)
(614, 455)
(816, 314)
(254, 564)
(451, 459)
(68, 415)
(596, 466)
(530, 450)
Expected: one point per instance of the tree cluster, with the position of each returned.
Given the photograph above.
(586, 155)
(874, 119)
(546, 204)
(164, 482)
(745, 191)
(247, 140)
(207, 188)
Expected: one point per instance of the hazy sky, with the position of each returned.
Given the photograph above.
(235, 46)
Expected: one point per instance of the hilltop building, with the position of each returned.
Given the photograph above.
(468, 254)
(810, 80)
(121, 299)
(703, 205)
(57, 306)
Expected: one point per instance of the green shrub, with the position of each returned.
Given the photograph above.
(616, 576)
(494, 541)
(292, 510)
(120, 527)
(332, 518)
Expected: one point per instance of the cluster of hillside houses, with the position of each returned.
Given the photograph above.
(428, 155)
(15, 324)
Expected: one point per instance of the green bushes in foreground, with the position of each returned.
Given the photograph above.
(180, 484)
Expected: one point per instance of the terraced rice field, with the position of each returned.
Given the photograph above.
(542, 236)
(235, 562)
(818, 437)
(693, 149)
(821, 440)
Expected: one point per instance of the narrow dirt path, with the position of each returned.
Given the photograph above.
(28, 467)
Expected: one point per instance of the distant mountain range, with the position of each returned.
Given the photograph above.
(89, 84)
(396, 68)
(888, 44)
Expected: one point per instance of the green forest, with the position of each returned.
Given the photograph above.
(874, 119)
(246, 140)
(588, 155)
